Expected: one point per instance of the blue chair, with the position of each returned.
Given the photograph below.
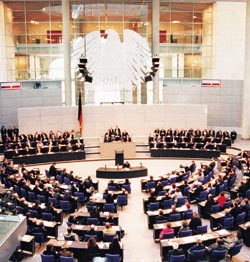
(164, 182)
(202, 229)
(247, 194)
(227, 205)
(53, 200)
(185, 191)
(66, 181)
(41, 198)
(93, 221)
(80, 196)
(153, 206)
(175, 217)
(127, 187)
(122, 200)
(47, 216)
(71, 238)
(228, 223)
(87, 237)
(109, 237)
(186, 233)
(23, 193)
(221, 188)
(65, 205)
(66, 259)
(20, 210)
(212, 191)
(202, 197)
(113, 257)
(16, 189)
(179, 258)
(112, 188)
(240, 219)
(188, 214)
(59, 178)
(31, 196)
(181, 201)
(217, 255)
(109, 207)
(47, 173)
(214, 209)
(33, 213)
(198, 255)
(47, 258)
(150, 185)
(173, 180)
(167, 203)
(39, 238)
(235, 249)
(167, 235)
(161, 193)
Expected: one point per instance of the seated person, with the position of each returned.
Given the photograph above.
(108, 229)
(126, 165)
(66, 253)
(167, 229)
(195, 222)
(161, 217)
(50, 251)
(218, 245)
(176, 251)
(184, 227)
(70, 235)
(93, 250)
(197, 246)
(114, 247)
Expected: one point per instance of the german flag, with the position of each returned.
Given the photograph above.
(80, 112)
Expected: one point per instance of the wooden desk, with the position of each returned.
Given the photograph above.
(215, 218)
(79, 248)
(51, 226)
(28, 244)
(153, 214)
(191, 153)
(84, 215)
(81, 230)
(186, 242)
(157, 228)
(121, 173)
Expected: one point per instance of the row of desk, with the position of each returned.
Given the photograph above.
(121, 173)
(50, 157)
(189, 153)
(187, 242)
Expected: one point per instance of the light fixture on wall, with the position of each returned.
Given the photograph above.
(154, 68)
(83, 70)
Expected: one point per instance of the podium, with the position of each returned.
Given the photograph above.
(119, 158)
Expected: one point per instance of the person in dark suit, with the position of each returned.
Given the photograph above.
(93, 249)
(218, 245)
(114, 247)
(50, 251)
(176, 251)
(195, 222)
(53, 170)
(233, 135)
(197, 246)
(209, 202)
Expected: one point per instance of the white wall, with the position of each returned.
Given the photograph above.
(138, 120)
(229, 40)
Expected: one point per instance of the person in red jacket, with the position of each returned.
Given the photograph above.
(221, 199)
(167, 229)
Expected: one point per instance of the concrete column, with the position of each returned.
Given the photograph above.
(245, 129)
(155, 45)
(66, 51)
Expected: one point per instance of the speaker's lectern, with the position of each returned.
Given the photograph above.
(119, 158)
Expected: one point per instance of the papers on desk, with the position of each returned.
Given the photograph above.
(222, 232)
(105, 213)
(78, 226)
(69, 243)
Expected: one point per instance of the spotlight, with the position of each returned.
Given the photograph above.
(88, 78)
(148, 78)
(83, 60)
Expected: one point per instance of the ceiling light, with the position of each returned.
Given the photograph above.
(176, 22)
